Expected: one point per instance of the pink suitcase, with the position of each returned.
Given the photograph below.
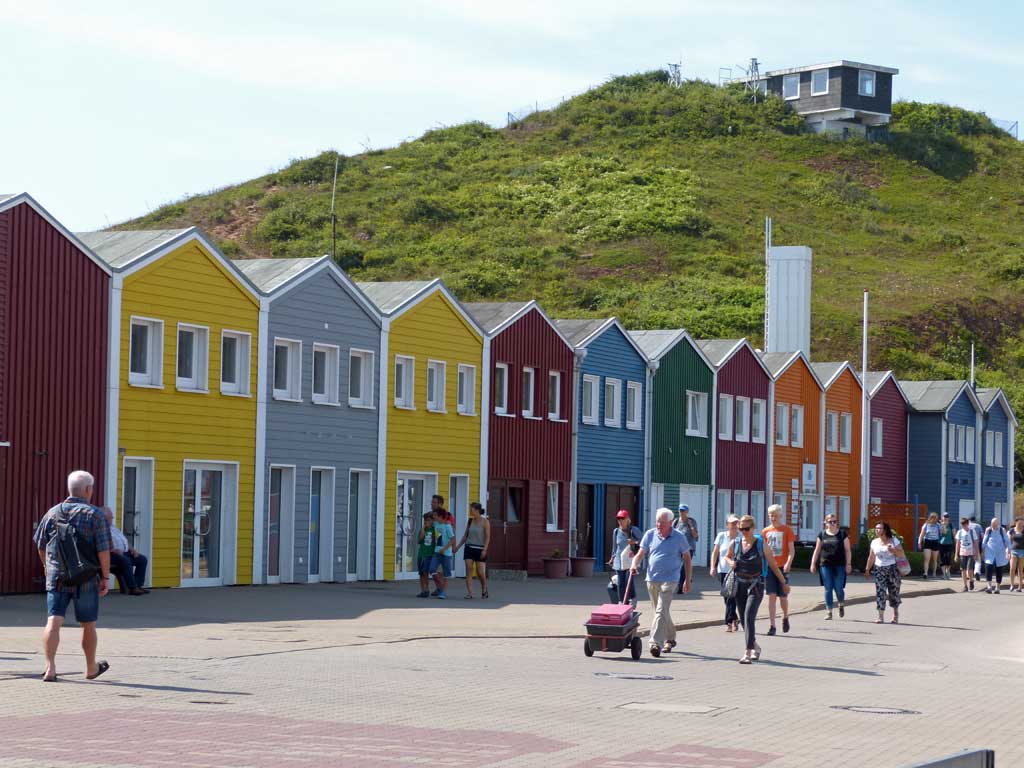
(612, 614)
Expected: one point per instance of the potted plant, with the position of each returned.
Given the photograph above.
(556, 566)
(581, 566)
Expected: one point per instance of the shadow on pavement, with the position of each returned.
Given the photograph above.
(770, 663)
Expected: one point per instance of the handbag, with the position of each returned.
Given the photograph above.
(903, 565)
(729, 585)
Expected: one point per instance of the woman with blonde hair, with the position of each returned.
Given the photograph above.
(1017, 555)
(724, 541)
(928, 541)
(751, 560)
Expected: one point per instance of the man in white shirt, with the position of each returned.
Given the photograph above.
(127, 563)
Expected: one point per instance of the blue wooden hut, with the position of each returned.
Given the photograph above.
(999, 426)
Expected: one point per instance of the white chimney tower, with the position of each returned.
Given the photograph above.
(788, 299)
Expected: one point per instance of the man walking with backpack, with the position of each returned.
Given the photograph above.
(73, 540)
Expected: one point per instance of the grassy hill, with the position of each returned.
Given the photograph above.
(647, 201)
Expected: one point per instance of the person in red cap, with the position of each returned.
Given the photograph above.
(625, 542)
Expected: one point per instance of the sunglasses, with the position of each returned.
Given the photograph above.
(746, 527)
(830, 519)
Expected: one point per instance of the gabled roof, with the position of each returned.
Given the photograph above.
(989, 396)
(829, 372)
(275, 277)
(778, 363)
(936, 396)
(121, 248)
(876, 379)
(495, 317)
(8, 201)
(393, 299)
(720, 352)
(582, 332)
(657, 344)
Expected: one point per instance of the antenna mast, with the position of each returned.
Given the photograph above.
(675, 73)
(767, 275)
(753, 78)
(334, 219)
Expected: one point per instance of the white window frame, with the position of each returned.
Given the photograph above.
(153, 377)
(700, 401)
(293, 392)
(877, 425)
(723, 503)
(758, 420)
(638, 389)
(970, 437)
(990, 448)
(200, 381)
(437, 404)
(961, 444)
(796, 430)
(816, 92)
(725, 408)
(846, 432)
(501, 404)
(466, 384)
(951, 441)
(243, 346)
(407, 401)
(332, 373)
(741, 424)
(874, 83)
(741, 501)
(531, 390)
(594, 382)
(788, 79)
(613, 417)
(551, 524)
(831, 431)
(367, 378)
(757, 505)
(831, 507)
(999, 449)
(782, 424)
(555, 404)
(843, 513)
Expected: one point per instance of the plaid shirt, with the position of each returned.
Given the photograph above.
(91, 524)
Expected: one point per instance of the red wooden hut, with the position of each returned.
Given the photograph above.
(54, 316)
(888, 408)
(529, 434)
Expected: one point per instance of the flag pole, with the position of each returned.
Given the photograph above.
(865, 427)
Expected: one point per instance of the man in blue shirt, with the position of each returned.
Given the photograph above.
(665, 549)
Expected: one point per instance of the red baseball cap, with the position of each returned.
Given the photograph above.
(622, 513)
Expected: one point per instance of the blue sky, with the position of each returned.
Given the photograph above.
(113, 108)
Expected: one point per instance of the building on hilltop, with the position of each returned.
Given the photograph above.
(844, 97)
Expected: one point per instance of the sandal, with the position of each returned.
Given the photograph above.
(468, 597)
(485, 595)
(756, 653)
(746, 660)
(100, 669)
(53, 679)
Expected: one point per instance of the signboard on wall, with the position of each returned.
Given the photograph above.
(810, 478)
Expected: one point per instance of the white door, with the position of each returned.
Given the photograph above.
(458, 505)
(137, 508)
(657, 500)
(696, 498)
(413, 494)
(359, 546)
(208, 507)
(321, 524)
(281, 525)
(810, 519)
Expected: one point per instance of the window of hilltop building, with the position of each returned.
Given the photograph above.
(697, 414)
(326, 359)
(819, 82)
(234, 362)
(866, 83)
(791, 87)
(146, 353)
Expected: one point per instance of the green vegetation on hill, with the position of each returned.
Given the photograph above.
(646, 200)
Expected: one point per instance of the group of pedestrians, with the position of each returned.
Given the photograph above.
(437, 548)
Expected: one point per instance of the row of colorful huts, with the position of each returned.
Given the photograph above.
(265, 421)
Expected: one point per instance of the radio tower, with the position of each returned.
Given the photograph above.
(675, 73)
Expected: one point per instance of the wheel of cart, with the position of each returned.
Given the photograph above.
(636, 648)
(587, 650)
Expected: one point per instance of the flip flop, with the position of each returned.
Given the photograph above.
(53, 679)
(100, 669)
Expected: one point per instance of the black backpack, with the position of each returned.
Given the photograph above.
(77, 560)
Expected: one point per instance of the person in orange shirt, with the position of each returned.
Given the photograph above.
(782, 541)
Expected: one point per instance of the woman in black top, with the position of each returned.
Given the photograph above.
(832, 557)
(751, 559)
(1017, 555)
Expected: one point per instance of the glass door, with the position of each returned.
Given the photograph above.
(137, 505)
(274, 527)
(412, 497)
(315, 509)
(202, 511)
(358, 545)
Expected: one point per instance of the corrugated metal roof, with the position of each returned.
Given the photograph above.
(5, 197)
(931, 395)
(654, 343)
(987, 395)
(492, 314)
(388, 297)
(875, 378)
(577, 331)
(270, 274)
(776, 361)
(120, 248)
(716, 350)
(825, 371)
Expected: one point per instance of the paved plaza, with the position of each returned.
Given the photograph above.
(367, 675)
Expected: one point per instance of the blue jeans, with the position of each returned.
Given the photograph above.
(130, 570)
(623, 580)
(834, 579)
